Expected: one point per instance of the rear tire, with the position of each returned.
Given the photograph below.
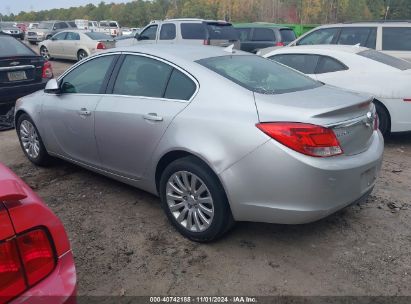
(81, 55)
(31, 142)
(384, 119)
(44, 52)
(210, 212)
(32, 42)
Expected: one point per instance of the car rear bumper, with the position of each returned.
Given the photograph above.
(35, 38)
(58, 288)
(277, 185)
(10, 94)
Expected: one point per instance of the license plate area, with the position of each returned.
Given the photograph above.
(17, 75)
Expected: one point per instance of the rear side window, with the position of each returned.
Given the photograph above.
(244, 34)
(258, 74)
(329, 65)
(322, 36)
(221, 31)
(142, 76)
(263, 34)
(61, 25)
(12, 47)
(168, 31)
(358, 35)
(287, 35)
(396, 38)
(386, 59)
(193, 31)
(179, 86)
(72, 24)
(301, 62)
(87, 78)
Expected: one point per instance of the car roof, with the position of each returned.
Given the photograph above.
(261, 25)
(179, 52)
(368, 24)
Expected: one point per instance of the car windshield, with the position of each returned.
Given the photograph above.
(98, 36)
(11, 47)
(45, 25)
(222, 31)
(258, 74)
(386, 59)
(113, 24)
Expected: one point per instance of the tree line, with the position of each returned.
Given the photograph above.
(141, 12)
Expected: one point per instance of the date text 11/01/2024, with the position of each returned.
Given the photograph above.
(203, 299)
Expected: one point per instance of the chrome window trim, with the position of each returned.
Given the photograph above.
(19, 67)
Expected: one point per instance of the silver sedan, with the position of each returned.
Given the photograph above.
(220, 135)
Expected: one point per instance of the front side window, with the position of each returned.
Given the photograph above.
(301, 62)
(263, 34)
(60, 36)
(323, 36)
(142, 76)
(329, 65)
(356, 35)
(149, 33)
(396, 39)
(259, 74)
(72, 36)
(168, 31)
(87, 78)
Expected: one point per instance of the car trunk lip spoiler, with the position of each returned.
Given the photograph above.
(10, 190)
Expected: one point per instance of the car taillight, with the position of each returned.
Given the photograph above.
(407, 99)
(47, 70)
(280, 44)
(206, 42)
(24, 261)
(307, 139)
(101, 46)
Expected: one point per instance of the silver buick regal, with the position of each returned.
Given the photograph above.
(220, 135)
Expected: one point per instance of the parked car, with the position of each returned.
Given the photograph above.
(81, 24)
(11, 30)
(22, 27)
(22, 71)
(93, 26)
(126, 31)
(48, 29)
(110, 27)
(219, 135)
(358, 69)
(256, 36)
(33, 26)
(36, 261)
(186, 31)
(390, 37)
(74, 45)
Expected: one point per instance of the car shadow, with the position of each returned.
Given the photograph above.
(402, 138)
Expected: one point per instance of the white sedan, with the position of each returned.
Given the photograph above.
(74, 45)
(358, 69)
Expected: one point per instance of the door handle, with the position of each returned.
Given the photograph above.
(84, 112)
(152, 117)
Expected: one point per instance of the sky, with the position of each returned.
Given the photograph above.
(15, 6)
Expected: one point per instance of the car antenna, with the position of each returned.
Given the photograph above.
(229, 49)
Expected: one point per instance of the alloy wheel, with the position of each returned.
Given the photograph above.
(45, 53)
(29, 139)
(190, 201)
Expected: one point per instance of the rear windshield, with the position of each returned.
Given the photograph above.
(210, 30)
(98, 36)
(258, 74)
(287, 35)
(386, 59)
(11, 47)
(45, 25)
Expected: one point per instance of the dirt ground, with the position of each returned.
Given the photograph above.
(124, 245)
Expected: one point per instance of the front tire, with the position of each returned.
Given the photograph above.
(194, 200)
(31, 142)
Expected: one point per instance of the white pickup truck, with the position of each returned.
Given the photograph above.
(110, 27)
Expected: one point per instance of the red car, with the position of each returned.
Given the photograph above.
(22, 27)
(36, 261)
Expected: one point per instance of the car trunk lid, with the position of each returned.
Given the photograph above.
(350, 115)
(20, 70)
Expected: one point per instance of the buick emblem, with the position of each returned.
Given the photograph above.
(14, 63)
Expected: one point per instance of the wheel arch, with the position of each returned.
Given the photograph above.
(376, 101)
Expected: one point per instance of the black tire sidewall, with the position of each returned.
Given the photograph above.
(80, 52)
(384, 121)
(222, 219)
(43, 158)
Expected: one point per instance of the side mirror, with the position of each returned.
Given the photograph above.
(54, 28)
(52, 87)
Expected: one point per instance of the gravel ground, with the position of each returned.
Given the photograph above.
(124, 245)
